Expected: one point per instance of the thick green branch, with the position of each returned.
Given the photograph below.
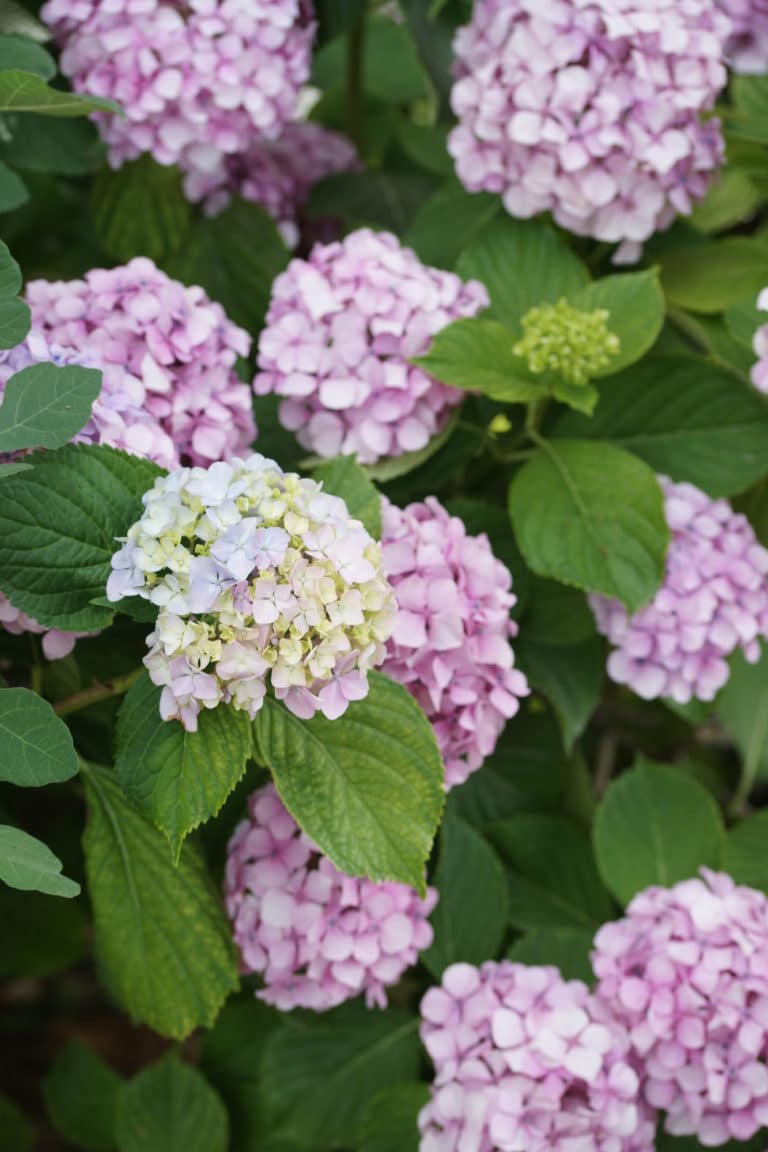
(102, 690)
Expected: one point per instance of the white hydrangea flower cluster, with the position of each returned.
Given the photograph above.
(258, 575)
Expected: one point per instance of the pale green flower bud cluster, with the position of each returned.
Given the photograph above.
(258, 575)
(561, 339)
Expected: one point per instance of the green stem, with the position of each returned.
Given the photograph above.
(751, 765)
(355, 71)
(104, 690)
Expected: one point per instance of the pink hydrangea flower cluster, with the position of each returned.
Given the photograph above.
(686, 970)
(590, 110)
(174, 346)
(714, 599)
(278, 175)
(341, 329)
(760, 346)
(195, 79)
(451, 642)
(119, 416)
(317, 936)
(526, 1060)
(747, 46)
(259, 575)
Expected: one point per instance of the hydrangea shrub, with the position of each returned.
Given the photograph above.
(384, 575)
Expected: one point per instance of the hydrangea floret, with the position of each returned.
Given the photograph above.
(451, 641)
(713, 600)
(567, 341)
(686, 970)
(341, 330)
(526, 1060)
(177, 346)
(196, 79)
(591, 111)
(317, 936)
(260, 577)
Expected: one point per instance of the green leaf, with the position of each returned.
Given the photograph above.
(12, 469)
(385, 198)
(746, 121)
(448, 222)
(320, 1072)
(742, 705)
(522, 263)
(604, 528)
(655, 825)
(45, 405)
(730, 200)
(710, 277)
(344, 477)
(35, 745)
(18, 1135)
(44, 144)
(743, 319)
(478, 355)
(15, 320)
(13, 190)
(470, 917)
(81, 1093)
(367, 788)
(567, 948)
(390, 1122)
(21, 52)
(22, 91)
(235, 256)
(556, 616)
(171, 1106)
(570, 676)
(746, 851)
(635, 305)
(178, 779)
(162, 939)
(525, 773)
(41, 937)
(10, 273)
(426, 145)
(58, 530)
(391, 68)
(686, 418)
(231, 1058)
(553, 881)
(16, 21)
(140, 210)
(27, 864)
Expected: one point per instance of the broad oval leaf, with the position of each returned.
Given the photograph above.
(522, 263)
(81, 1094)
(746, 851)
(319, 1072)
(28, 864)
(553, 880)
(687, 418)
(448, 221)
(178, 779)
(570, 676)
(470, 917)
(635, 305)
(567, 948)
(390, 1122)
(35, 745)
(710, 277)
(655, 825)
(162, 939)
(15, 320)
(140, 210)
(592, 515)
(367, 788)
(45, 405)
(477, 355)
(58, 530)
(171, 1106)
